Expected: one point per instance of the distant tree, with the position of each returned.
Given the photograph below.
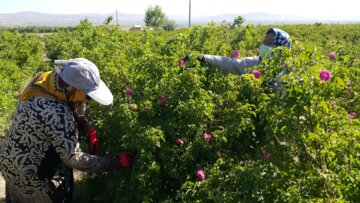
(154, 17)
(108, 20)
(225, 24)
(238, 21)
(169, 25)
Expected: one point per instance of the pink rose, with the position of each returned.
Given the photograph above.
(352, 115)
(201, 175)
(235, 54)
(256, 73)
(325, 75)
(162, 100)
(266, 155)
(182, 63)
(207, 136)
(129, 90)
(350, 90)
(257, 49)
(179, 142)
(332, 56)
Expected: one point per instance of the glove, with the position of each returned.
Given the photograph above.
(125, 159)
(187, 57)
(202, 61)
(200, 58)
(94, 144)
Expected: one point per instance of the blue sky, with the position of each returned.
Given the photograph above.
(344, 9)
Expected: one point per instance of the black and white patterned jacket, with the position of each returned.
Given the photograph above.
(44, 127)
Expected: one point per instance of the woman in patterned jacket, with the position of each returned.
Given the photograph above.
(43, 137)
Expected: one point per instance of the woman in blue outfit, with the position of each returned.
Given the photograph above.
(274, 38)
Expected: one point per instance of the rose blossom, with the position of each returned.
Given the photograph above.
(256, 73)
(207, 136)
(266, 155)
(325, 75)
(235, 54)
(332, 56)
(179, 142)
(182, 63)
(162, 100)
(352, 115)
(130, 90)
(201, 175)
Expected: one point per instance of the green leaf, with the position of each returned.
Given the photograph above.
(324, 106)
(313, 136)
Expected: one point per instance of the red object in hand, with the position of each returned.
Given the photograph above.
(125, 159)
(94, 144)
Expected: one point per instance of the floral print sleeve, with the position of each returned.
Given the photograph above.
(64, 138)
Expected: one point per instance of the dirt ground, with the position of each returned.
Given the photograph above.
(2, 189)
(2, 182)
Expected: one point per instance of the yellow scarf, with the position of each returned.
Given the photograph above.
(48, 84)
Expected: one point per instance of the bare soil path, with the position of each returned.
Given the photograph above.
(2, 189)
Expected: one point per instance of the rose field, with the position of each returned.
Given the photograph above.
(201, 135)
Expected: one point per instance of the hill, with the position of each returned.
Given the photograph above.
(127, 20)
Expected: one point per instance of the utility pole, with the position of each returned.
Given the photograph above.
(189, 13)
(117, 21)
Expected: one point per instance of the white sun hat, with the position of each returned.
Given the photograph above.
(84, 75)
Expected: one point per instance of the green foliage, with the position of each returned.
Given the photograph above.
(108, 20)
(24, 50)
(154, 17)
(274, 140)
(169, 25)
(238, 21)
(38, 29)
(20, 58)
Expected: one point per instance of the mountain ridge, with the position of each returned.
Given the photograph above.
(31, 18)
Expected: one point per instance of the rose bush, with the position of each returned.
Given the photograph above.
(20, 58)
(201, 135)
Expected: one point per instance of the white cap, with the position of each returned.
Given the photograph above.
(84, 75)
